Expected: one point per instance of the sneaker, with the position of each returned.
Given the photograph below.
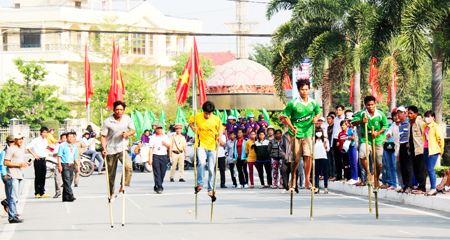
(246, 186)
(182, 180)
(239, 186)
(45, 196)
(5, 205)
(303, 187)
(223, 186)
(325, 191)
(171, 180)
(76, 185)
(280, 187)
(234, 186)
(37, 196)
(16, 220)
(57, 195)
(159, 192)
(352, 182)
(283, 191)
(262, 187)
(273, 186)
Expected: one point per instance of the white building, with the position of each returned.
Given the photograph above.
(60, 50)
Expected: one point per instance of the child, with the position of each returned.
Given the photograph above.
(352, 153)
(240, 157)
(251, 156)
(321, 147)
(262, 149)
(341, 140)
(275, 154)
(286, 153)
(230, 156)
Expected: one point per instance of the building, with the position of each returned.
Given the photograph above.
(28, 32)
(219, 58)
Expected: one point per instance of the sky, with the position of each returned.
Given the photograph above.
(213, 13)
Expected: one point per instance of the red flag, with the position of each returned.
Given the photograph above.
(286, 81)
(395, 89)
(184, 83)
(352, 82)
(373, 80)
(117, 89)
(198, 71)
(87, 76)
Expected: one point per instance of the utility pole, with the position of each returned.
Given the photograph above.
(241, 26)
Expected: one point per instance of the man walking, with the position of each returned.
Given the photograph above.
(37, 148)
(373, 118)
(416, 147)
(67, 153)
(14, 162)
(116, 129)
(209, 129)
(157, 155)
(177, 152)
(303, 113)
(4, 169)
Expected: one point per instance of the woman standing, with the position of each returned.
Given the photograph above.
(240, 157)
(433, 147)
(251, 156)
(321, 147)
(262, 148)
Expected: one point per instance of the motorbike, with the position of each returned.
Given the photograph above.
(86, 169)
(139, 156)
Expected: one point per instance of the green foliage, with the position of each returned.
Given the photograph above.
(33, 72)
(440, 171)
(263, 55)
(40, 106)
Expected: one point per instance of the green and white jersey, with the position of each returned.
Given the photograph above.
(301, 114)
(378, 121)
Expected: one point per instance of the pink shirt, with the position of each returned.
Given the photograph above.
(427, 130)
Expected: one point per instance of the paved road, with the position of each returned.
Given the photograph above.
(239, 214)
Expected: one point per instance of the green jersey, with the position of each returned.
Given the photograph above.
(378, 121)
(301, 114)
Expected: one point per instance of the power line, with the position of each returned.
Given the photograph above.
(59, 30)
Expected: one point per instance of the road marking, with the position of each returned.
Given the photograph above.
(394, 206)
(67, 207)
(160, 223)
(133, 202)
(295, 235)
(73, 227)
(9, 230)
(342, 216)
(407, 233)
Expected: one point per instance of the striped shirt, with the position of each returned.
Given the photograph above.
(403, 130)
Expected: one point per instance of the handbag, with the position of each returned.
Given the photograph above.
(389, 147)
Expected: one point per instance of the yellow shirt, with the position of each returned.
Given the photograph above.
(51, 140)
(251, 154)
(207, 129)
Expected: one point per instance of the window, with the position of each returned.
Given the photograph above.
(77, 4)
(138, 44)
(17, 5)
(150, 44)
(168, 46)
(30, 38)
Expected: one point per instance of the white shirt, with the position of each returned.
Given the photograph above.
(319, 150)
(337, 127)
(89, 141)
(222, 149)
(56, 148)
(156, 144)
(395, 133)
(38, 146)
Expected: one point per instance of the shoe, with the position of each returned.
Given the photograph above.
(246, 186)
(321, 178)
(67, 200)
(262, 187)
(332, 179)
(37, 196)
(234, 186)
(352, 182)
(283, 191)
(239, 186)
(171, 180)
(273, 186)
(181, 180)
(280, 187)
(159, 192)
(76, 185)
(45, 196)
(303, 187)
(252, 186)
(325, 191)
(57, 195)
(296, 190)
(5, 205)
(266, 186)
(223, 186)
(391, 188)
(316, 191)
(16, 220)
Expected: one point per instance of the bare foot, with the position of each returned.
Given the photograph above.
(210, 193)
(291, 190)
(121, 189)
(199, 188)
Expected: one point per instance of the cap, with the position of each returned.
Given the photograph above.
(18, 135)
(394, 110)
(10, 138)
(178, 125)
(51, 129)
(159, 126)
(251, 115)
(231, 118)
(86, 132)
(401, 109)
(240, 117)
(322, 119)
(269, 127)
(389, 115)
(260, 116)
(154, 124)
(244, 119)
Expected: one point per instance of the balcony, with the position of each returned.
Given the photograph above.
(38, 47)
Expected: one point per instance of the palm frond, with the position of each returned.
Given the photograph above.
(275, 6)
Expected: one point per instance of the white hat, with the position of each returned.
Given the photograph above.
(401, 108)
(322, 118)
(231, 118)
(18, 135)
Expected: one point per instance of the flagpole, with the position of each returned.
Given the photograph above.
(194, 107)
(88, 114)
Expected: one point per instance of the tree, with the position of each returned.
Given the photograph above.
(33, 72)
(263, 55)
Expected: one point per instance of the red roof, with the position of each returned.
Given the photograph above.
(220, 58)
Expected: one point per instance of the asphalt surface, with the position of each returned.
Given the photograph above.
(238, 214)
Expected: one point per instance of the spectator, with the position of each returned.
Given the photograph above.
(230, 157)
(262, 124)
(322, 146)
(393, 137)
(58, 177)
(275, 154)
(251, 157)
(416, 148)
(51, 139)
(270, 131)
(90, 144)
(251, 125)
(262, 149)
(222, 160)
(343, 147)
(4, 170)
(331, 165)
(37, 148)
(336, 151)
(67, 153)
(352, 152)
(145, 138)
(240, 157)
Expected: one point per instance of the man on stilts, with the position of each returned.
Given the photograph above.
(209, 129)
(300, 115)
(116, 129)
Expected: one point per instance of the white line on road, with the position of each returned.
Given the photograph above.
(9, 229)
(133, 202)
(342, 216)
(407, 233)
(67, 207)
(160, 223)
(295, 235)
(73, 227)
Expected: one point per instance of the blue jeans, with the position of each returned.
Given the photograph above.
(94, 156)
(384, 170)
(430, 161)
(391, 161)
(331, 166)
(353, 161)
(6, 190)
(14, 190)
(204, 155)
